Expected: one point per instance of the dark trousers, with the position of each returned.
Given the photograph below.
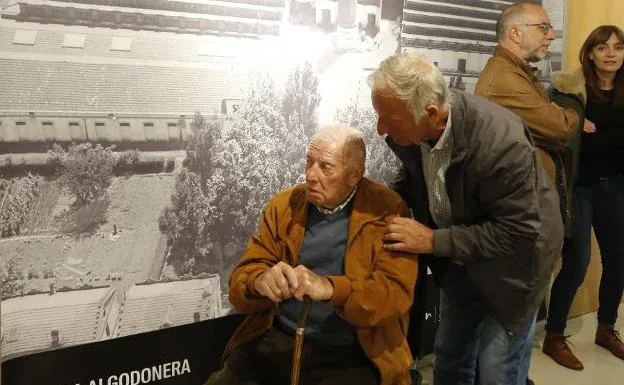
(600, 205)
(267, 360)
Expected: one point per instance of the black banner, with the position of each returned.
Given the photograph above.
(183, 355)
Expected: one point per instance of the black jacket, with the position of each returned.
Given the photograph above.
(568, 91)
(507, 229)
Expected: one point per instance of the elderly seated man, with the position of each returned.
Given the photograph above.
(323, 240)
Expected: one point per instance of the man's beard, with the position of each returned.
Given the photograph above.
(534, 58)
(535, 55)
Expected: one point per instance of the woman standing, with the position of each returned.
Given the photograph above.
(598, 194)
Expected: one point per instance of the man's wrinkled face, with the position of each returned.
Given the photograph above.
(328, 179)
(537, 33)
(395, 119)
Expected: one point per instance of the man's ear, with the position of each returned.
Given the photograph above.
(514, 35)
(433, 112)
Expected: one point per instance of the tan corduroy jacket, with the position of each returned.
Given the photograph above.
(374, 294)
(506, 80)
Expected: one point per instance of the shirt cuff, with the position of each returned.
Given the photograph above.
(442, 246)
(342, 289)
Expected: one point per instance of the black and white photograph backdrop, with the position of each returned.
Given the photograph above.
(140, 140)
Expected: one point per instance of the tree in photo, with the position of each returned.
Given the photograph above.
(233, 168)
(301, 100)
(184, 223)
(259, 156)
(18, 205)
(200, 151)
(11, 279)
(381, 163)
(86, 170)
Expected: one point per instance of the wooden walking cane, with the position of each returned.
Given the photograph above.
(296, 361)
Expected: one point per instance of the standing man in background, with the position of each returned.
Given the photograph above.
(524, 33)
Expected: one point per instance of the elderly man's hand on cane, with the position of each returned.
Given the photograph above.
(312, 285)
(277, 283)
(282, 282)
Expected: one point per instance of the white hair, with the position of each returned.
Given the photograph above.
(413, 79)
(349, 138)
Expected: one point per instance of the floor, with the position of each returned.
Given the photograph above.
(601, 367)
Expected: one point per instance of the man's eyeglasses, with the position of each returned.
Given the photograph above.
(545, 27)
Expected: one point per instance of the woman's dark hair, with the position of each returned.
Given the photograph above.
(598, 36)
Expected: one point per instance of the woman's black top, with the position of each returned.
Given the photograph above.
(602, 153)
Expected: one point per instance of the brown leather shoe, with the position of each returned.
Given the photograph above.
(557, 348)
(609, 338)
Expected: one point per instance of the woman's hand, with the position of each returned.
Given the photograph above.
(589, 127)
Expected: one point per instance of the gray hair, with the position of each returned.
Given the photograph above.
(351, 140)
(512, 15)
(413, 79)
